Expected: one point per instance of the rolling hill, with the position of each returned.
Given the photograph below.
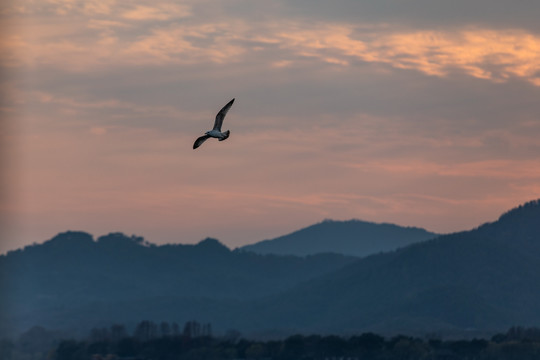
(353, 237)
(482, 280)
(43, 283)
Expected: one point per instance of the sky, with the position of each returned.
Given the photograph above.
(419, 113)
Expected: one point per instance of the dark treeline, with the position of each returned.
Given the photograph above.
(149, 330)
(194, 341)
(111, 342)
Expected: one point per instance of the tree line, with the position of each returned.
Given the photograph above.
(194, 341)
(147, 330)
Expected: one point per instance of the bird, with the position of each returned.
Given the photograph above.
(216, 131)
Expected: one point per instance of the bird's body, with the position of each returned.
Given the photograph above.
(216, 131)
(215, 134)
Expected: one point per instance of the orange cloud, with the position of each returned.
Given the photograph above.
(492, 54)
(124, 174)
(163, 11)
(494, 169)
(482, 53)
(178, 44)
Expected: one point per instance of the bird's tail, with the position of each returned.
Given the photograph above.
(226, 133)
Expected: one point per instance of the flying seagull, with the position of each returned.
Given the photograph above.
(216, 131)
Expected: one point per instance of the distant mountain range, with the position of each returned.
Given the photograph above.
(353, 237)
(485, 279)
(45, 282)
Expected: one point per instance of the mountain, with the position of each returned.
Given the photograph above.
(483, 279)
(353, 237)
(48, 284)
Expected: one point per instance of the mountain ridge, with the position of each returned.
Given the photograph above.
(72, 270)
(479, 279)
(483, 279)
(352, 237)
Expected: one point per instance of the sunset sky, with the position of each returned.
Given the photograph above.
(420, 113)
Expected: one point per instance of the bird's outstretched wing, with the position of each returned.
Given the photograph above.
(200, 140)
(221, 115)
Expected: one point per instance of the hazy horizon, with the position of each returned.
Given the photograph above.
(322, 280)
(421, 115)
(232, 246)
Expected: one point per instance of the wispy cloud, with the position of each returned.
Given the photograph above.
(492, 54)
(350, 109)
(488, 169)
(157, 11)
(482, 53)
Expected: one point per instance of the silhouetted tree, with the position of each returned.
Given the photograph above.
(293, 347)
(521, 333)
(175, 328)
(369, 341)
(128, 347)
(207, 330)
(99, 334)
(146, 330)
(70, 350)
(519, 345)
(192, 329)
(165, 328)
(256, 351)
(118, 332)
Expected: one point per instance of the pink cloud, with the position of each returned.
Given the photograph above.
(492, 54)
(159, 11)
(112, 95)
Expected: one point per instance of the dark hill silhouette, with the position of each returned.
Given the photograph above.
(353, 237)
(484, 279)
(72, 271)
